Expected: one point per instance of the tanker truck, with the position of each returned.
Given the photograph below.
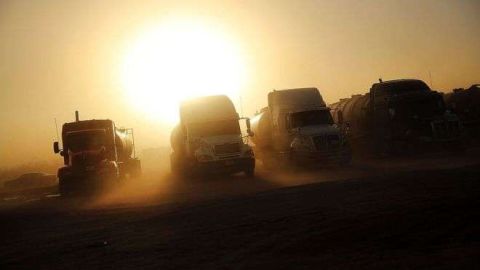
(96, 155)
(466, 104)
(208, 139)
(296, 128)
(397, 116)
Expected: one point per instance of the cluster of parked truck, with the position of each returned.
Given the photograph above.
(297, 128)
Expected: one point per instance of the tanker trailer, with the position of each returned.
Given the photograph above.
(397, 116)
(297, 129)
(208, 139)
(96, 155)
(466, 104)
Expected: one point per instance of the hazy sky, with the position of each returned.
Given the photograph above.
(58, 56)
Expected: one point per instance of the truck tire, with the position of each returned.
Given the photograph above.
(250, 172)
(61, 186)
(346, 157)
(135, 168)
(65, 188)
(176, 166)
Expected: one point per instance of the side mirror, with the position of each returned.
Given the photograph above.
(56, 148)
(249, 131)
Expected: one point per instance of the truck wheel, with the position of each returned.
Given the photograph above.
(176, 165)
(250, 172)
(64, 188)
(135, 168)
(346, 158)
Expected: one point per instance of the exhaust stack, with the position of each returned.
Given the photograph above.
(76, 116)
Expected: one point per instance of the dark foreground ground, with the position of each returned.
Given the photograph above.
(394, 219)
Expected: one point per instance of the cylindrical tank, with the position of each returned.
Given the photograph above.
(261, 125)
(353, 111)
(465, 103)
(177, 139)
(124, 144)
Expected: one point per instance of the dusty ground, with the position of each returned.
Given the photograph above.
(378, 214)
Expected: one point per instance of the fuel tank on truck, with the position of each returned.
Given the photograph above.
(261, 126)
(465, 102)
(124, 144)
(353, 111)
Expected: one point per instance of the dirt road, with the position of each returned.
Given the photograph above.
(369, 216)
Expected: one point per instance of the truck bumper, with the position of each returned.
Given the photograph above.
(227, 166)
(340, 156)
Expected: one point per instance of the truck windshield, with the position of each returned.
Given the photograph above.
(310, 118)
(86, 140)
(214, 128)
(426, 108)
(395, 88)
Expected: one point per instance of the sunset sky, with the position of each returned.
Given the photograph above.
(101, 57)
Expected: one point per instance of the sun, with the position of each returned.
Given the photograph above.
(177, 60)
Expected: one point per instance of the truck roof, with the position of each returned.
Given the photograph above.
(207, 108)
(400, 81)
(87, 124)
(297, 97)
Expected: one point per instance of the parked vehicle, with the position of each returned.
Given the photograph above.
(297, 128)
(96, 155)
(398, 116)
(466, 104)
(208, 139)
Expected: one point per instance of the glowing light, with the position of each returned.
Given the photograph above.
(177, 60)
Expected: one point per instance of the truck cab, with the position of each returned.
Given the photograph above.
(209, 139)
(96, 154)
(297, 127)
(409, 108)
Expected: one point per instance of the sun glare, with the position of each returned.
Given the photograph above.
(179, 60)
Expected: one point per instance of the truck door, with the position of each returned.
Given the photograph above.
(380, 116)
(280, 135)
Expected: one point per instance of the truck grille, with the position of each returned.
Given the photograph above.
(326, 142)
(446, 129)
(228, 148)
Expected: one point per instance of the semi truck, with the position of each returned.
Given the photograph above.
(296, 128)
(397, 116)
(96, 155)
(208, 139)
(466, 104)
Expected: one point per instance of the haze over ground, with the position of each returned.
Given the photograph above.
(59, 56)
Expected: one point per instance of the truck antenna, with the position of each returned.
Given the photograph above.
(76, 116)
(56, 128)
